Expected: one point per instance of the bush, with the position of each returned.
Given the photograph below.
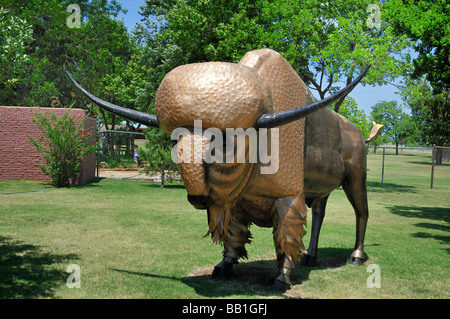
(63, 144)
(156, 156)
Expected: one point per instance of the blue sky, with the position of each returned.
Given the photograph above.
(132, 17)
(365, 96)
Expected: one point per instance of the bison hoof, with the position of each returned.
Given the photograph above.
(222, 271)
(309, 260)
(280, 286)
(355, 261)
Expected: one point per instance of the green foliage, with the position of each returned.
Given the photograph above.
(157, 154)
(325, 43)
(41, 35)
(426, 24)
(349, 109)
(15, 33)
(430, 112)
(63, 145)
(214, 30)
(397, 124)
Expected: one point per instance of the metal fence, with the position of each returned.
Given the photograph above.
(116, 149)
(430, 157)
(441, 154)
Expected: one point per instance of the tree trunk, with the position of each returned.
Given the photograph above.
(338, 103)
(162, 178)
(439, 153)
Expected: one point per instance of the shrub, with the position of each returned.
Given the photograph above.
(63, 144)
(156, 156)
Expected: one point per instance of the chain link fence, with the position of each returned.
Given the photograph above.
(116, 149)
(440, 155)
(426, 158)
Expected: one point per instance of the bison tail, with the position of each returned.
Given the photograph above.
(374, 133)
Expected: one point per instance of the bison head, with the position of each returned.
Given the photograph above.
(221, 96)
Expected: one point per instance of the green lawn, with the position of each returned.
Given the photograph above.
(132, 239)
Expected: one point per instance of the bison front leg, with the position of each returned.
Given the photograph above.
(289, 216)
(224, 269)
(282, 280)
(234, 242)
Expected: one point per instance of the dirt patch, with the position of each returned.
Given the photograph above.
(256, 276)
(126, 174)
(250, 272)
(435, 166)
(294, 294)
(134, 173)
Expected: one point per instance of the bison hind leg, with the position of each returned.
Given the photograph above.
(356, 190)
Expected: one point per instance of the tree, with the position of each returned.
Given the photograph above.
(406, 129)
(396, 123)
(14, 34)
(326, 43)
(100, 46)
(337, 39)
(349, 109)
(430, 112)
(157, 154)
(428, 88)
(426, 24)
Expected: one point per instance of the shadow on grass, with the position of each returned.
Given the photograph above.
(433, 213)
(252, 277)
(389, 188)
(26, 272)
(166, 185)
(146, 183)
(428, 164)
(438, 214)
(92, 183)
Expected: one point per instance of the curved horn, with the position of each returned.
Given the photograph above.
(132, 115)
(285, 117)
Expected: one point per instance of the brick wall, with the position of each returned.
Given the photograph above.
(19, 158)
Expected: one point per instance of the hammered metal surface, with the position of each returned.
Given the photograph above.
(222, 95)
(288, 92)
